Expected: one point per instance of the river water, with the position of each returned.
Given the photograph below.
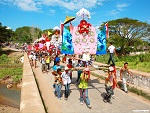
(10, 97)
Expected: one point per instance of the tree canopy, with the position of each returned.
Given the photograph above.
(5, 33)
(126, 33)
(27, 34)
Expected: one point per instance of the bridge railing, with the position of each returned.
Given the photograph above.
(30, 97)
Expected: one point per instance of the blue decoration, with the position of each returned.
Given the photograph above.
(67, 46)
(101, 42)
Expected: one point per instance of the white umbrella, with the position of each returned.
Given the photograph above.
(83, 12)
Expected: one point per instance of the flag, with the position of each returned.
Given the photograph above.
(67, 46)
(71, 28)
(49, 33)
(107, 30)
(61, 28)
(101, 41)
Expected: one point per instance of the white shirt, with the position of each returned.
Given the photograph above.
(84, 57)
(66, 78)
(111, 49)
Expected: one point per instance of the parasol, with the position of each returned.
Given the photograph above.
(68, 19)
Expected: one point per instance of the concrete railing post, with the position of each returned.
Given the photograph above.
(30, 97)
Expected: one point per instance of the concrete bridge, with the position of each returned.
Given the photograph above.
(37, 96)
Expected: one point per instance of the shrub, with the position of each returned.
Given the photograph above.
(4, 59)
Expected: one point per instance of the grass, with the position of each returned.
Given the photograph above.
(139, 92)
(10, 65)
(137, 62)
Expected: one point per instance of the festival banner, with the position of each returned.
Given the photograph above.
(67, 46)
(107, 30)
(101, 44)
(84, 43)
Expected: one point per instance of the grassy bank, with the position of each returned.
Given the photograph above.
(137, 62)
(10, 65)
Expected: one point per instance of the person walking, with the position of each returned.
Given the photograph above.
(48, 60)
(111, 49)
(83, 87)
(58, 84)
(54, 72)
(66, 81)
(124, 75)
(109, 85)
(43, 62)
(70, 66)
(34, 57)
(79, 71)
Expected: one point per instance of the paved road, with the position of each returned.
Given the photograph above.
(123, 103)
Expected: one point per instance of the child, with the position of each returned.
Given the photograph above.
(58, 84)
(43, 61)
(66, 81)
(70, 66)
(48, 60)
(108, 85)
(79, 71)
(83, 87)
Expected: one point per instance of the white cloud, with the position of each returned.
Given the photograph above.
(113, 12)
(52, 11)
(27, 5)
(71, 4)
(35, 5)
(120, 7)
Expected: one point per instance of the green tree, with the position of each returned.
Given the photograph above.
(27, 34)
(5, 33)
(124, 33)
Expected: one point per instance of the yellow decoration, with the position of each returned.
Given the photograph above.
(49, 33)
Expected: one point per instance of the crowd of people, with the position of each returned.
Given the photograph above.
(63, 76)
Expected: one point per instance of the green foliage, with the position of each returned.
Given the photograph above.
(4, 59)
(16, 73)
(139, 92)
(10, 68)
(139, 62)
(126, 34)
(5, 34)
(27, 34)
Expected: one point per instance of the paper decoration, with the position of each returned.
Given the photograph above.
(87, 43)
(101, 45)
(67, 46)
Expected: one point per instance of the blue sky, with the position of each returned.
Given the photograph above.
(46, 14)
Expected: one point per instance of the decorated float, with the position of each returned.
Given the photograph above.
(83, 38)
(78, 40)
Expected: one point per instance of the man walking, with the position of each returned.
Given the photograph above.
(111, 49)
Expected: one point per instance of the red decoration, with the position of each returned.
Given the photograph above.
(84, 27)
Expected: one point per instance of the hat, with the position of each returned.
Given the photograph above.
(110, 68)
(66, 68)
(86, 69)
